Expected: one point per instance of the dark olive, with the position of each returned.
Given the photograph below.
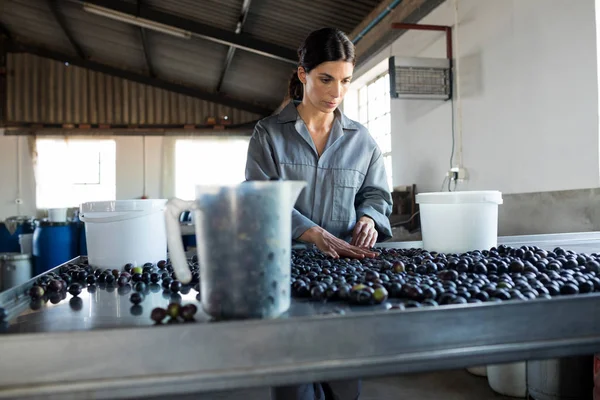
(75, 289)
(136, 297)
(140, 287)
(158, 314)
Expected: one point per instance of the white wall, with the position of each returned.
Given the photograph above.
(529, 89)
(129, 172)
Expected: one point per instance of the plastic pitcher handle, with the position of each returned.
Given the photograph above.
(176, 253)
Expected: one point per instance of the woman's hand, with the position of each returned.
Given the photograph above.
(364, 233)
(332, 246)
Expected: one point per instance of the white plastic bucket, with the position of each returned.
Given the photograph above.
(455, 222)
(57, 214)
(26, 242)
(508, 379)
(124, 231)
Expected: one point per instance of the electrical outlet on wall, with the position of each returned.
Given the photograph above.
(458, 174)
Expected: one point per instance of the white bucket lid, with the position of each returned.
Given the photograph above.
(123, 205)
(473, 197)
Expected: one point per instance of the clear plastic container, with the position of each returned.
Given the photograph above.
(243, 236)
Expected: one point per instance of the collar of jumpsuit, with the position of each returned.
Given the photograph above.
(340, 123)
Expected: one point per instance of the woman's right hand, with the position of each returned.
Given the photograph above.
(333, 246)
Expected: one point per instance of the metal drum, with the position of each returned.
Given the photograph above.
(15, 269)
(561, 379)
(10, 230)
(54, 243)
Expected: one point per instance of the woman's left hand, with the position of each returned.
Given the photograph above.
(364, 233)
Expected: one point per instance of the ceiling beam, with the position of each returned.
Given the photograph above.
(231, 50)
(143, 79)
(145, 47)
(380, 35)
(4, 31)
(222, 36)
(60, 18)
(147, 53)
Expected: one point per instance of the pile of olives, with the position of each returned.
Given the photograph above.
(74, 278)
(418, 278)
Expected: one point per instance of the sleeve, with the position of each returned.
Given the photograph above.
(374, 199)
(260, 166)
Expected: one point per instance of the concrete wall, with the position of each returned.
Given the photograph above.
(130, 172)
(528, 84)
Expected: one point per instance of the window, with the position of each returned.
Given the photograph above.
(209, 161)
(370, 105)
(74, 171)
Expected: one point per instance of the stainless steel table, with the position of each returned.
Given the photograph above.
(103, 348)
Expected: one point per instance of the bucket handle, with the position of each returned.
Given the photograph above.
(176, 252)
(117, 218)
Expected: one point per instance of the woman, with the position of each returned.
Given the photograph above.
(345, 206)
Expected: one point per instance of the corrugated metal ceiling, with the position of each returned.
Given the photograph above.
(222, 14)
(287, 22)
(32, 21)
(193, 62)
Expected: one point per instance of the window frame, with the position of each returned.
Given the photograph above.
(364, 103)
(73, 191)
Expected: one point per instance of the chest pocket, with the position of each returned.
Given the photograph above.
(345, 186)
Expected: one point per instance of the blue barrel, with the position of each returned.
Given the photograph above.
(53, 244)
(9, 242)
(188, 241)
(82, 240)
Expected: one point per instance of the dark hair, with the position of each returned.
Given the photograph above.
(323, 45)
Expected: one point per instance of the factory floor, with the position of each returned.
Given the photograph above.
(447, 385)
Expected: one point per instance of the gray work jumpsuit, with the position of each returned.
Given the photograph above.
(345, 183)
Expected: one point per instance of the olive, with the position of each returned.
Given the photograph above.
(137, 270)
(398, 266)
(166, 283)
(380, 295)
(592, 266)
(173, 310)
(187, 312)
(158, 314)
(161, 264)
(154, 277)
(110, 279)
(317, 292)
(429, 303)
(140, 287)
(569, 288)
(136, 297)
(128, 267)
(412, 304)
(75, 289)
(91, 279)
(175, 286)
(82, 276)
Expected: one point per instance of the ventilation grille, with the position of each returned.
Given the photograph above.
(420, 78)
